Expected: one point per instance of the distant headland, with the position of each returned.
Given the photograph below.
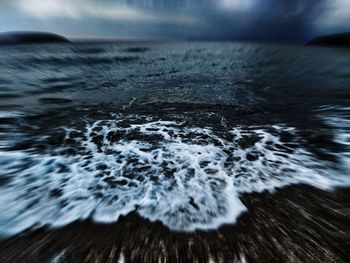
(336, 40)
(30, 37)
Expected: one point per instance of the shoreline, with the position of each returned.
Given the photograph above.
(295, 223)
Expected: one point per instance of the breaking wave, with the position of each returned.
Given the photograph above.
(186, 177)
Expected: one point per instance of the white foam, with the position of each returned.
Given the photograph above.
(340, 120)
(186, 177)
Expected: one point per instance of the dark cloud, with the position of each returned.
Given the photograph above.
(295, 20)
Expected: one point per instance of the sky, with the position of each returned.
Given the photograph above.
(283, 20)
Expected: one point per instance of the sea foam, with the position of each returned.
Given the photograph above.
(186, 177)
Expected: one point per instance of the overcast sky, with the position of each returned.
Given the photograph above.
(190, 19)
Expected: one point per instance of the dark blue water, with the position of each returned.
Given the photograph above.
(174, 131)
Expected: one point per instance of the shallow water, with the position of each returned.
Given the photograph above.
(177, 132)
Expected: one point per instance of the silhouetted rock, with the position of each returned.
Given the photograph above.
(337, 40)
(24, 37)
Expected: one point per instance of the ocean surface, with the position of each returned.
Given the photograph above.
(175, 132)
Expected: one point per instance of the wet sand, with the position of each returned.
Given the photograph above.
(294, 224)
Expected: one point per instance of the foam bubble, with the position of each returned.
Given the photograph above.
(186, 177)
